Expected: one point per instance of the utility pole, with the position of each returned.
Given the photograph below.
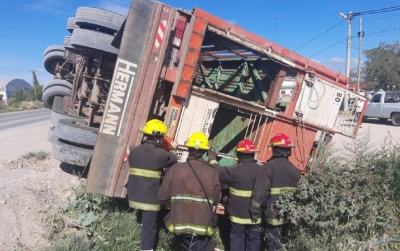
(35, 82)
(360, 35)
(349, 18)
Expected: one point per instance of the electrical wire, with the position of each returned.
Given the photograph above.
(319, 35)
(369, 12)
(381, 35)
(372, 19)
(341, 41)
(377, 32)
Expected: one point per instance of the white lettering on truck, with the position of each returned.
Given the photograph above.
(121, 85)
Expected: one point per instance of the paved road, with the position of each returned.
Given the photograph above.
(376, 129)
(23, 132)
(22, 118)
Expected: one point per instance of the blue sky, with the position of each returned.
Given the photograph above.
(29, 27)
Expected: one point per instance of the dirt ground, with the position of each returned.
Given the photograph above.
(32, 190)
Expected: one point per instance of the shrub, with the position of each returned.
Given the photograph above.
(351, 203)
(104, 224)
(40, 155)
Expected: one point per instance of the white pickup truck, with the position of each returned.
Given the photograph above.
(384, 106)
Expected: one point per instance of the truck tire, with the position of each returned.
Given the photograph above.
(52, 48)
(51, 135)
(51, 60)
(57, 82)
(50, 93)
(93, 40)
(72, 131)
(98, 19)
(73, 155)
(67, 41)
(58, 104)
(395, 119)
(71, 24)
(56, 116)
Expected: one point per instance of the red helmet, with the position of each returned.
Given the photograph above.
(281, 140)
(246, 146)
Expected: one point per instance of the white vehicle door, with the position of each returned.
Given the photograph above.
(374, 108)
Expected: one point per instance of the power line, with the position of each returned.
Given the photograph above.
(369, 12)
(341, 41)
(381, 35)
(328, 47)
(319, 35)
(371, 19)
(377, 32)
(388, 9)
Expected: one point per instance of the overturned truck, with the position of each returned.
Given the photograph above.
(195, 72)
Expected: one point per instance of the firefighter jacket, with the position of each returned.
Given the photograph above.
(190, 212)
(146, 163)
(279, 175)
(240, 179)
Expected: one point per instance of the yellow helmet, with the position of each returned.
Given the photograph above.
(154, 127)
(197, 140)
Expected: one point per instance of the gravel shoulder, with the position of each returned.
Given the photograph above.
(31, 190)
(375, 129)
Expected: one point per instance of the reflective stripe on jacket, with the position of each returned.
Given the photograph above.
(278, 176)
(240, 179)
(190, 212)
(191, 228)
(147, 161)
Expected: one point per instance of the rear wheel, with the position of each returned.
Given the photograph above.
(70, 154)
(98, 19)
(51, 136)
(52, 59)
(71, 24)
(49, 94)
(53, 88)
(56, 116)
(74, 132)
(395, 119)
(93, 40)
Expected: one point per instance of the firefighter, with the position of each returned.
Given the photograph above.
(191, 188)
(146, 163)
(278, 175)
(240, 179)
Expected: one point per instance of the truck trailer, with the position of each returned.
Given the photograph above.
(195, 72)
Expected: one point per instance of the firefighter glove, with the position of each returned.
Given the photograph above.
(212, 155)
(254, 216)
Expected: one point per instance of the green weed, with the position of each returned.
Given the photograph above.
(40, 155)
(351, 203)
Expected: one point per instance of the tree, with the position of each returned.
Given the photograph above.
(19, 95)
(32, 94)
(383, 66)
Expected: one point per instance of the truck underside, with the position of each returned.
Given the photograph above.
(195, 72)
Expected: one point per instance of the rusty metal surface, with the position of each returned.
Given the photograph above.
(236, 102)
(109, 152)
(275, 89)
(259, 45)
